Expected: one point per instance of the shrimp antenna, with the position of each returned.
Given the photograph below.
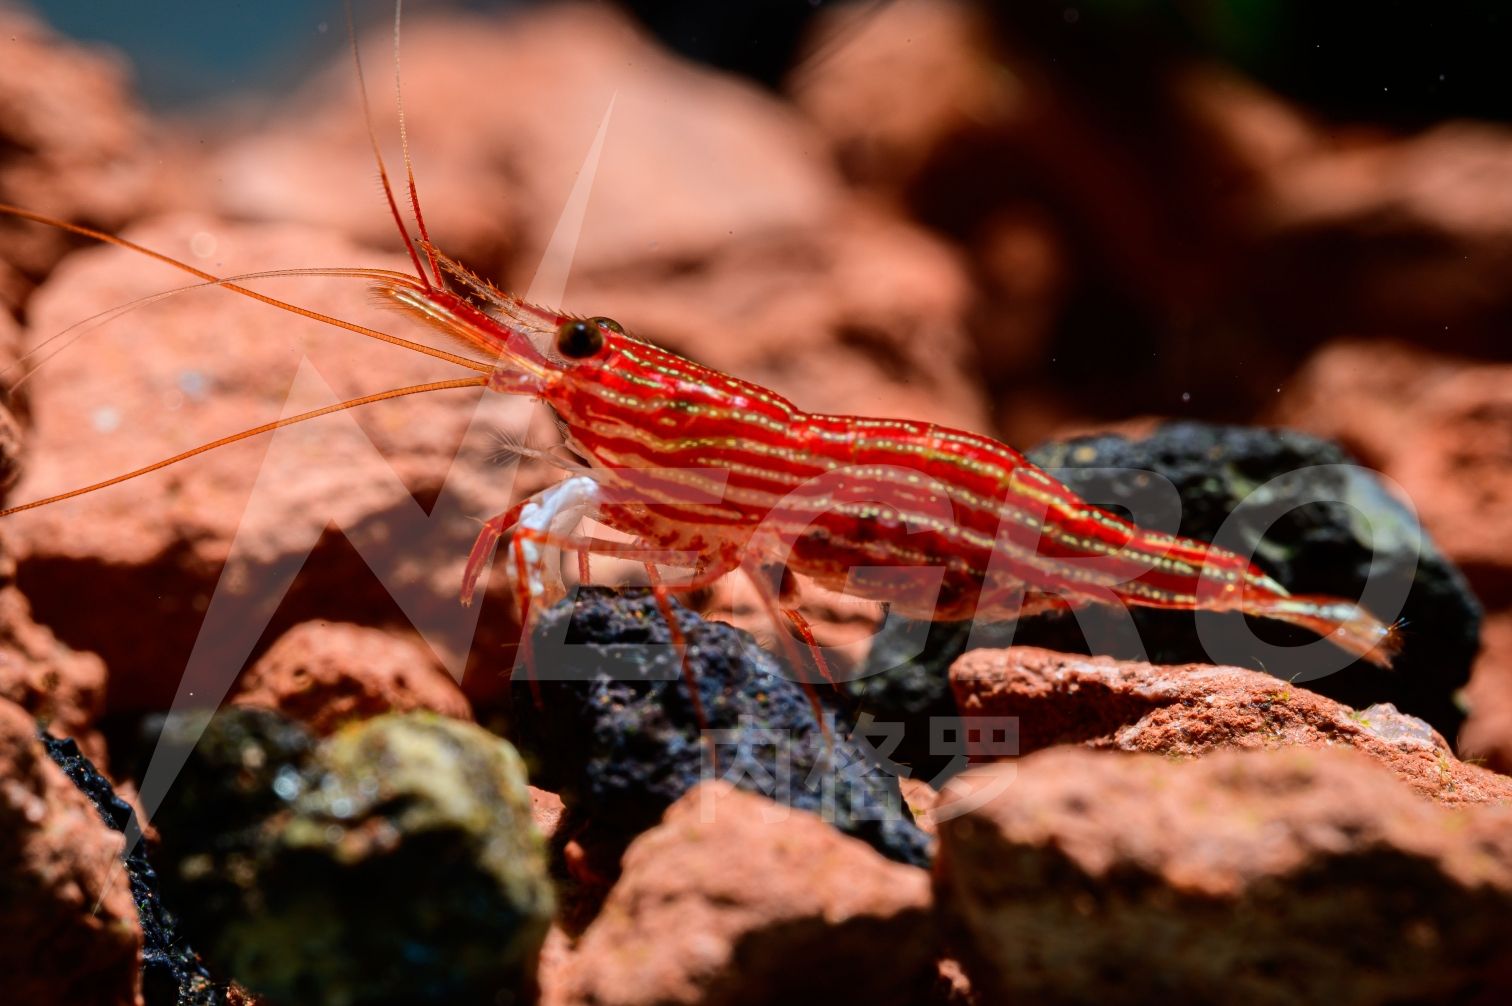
(277, 424)
(33, 360)
(383, 175)
(351, 326)
(409, 164)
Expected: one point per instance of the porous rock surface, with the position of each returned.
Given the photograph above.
(68, 930)
(616, 733)
(327, 674)
(172, 973)
(1193, 709)
(1242, 877)
(62, 688)
(1488, 731)
(800, 913)
(78, 146)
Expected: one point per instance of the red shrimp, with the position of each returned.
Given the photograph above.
(727, 474)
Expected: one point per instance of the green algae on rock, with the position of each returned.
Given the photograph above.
(396, 863)
(410, 872)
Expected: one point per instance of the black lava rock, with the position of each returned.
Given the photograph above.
(1307, 514)
(616, 733)
(904, 685)
(172, 974)
(1314, 519)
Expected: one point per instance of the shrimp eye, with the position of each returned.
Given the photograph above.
(608, 323)
(578, 340)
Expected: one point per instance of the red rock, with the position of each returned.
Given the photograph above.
(10, 334)
(129, 572)
(13, 290)
(499, 134)
(551, 969)
(238, 996)
(12, 445)
(77, 146)
(546, 810)
(1456, 463)
(895, 89)
(1441, 426)
(1195, 709)
(921, 799)
(800, 913)
(69, 930)
(60, 688)
(1487, 733)
(1242, 877)
(853, 312)
(1362, 393)
(952, 987)
(328, 674)
(1415, 231)
(889, 86)
(1204, 222)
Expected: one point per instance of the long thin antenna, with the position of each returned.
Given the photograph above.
(68, 336)
(409, 165)
(383, 175)
(371, 333)
(415, 389)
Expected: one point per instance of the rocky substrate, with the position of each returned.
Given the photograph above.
(1206, 307)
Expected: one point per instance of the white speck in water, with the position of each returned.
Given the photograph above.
(194, 384)
(106, 419)
(286, 784)
(202, 245)
(322, 27)
(1186, 396)
(1072, 15)
(341, 806)
(173, 401)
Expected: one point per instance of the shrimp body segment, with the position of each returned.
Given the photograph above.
(713, 473)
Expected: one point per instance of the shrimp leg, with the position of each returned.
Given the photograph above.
(539, 520)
